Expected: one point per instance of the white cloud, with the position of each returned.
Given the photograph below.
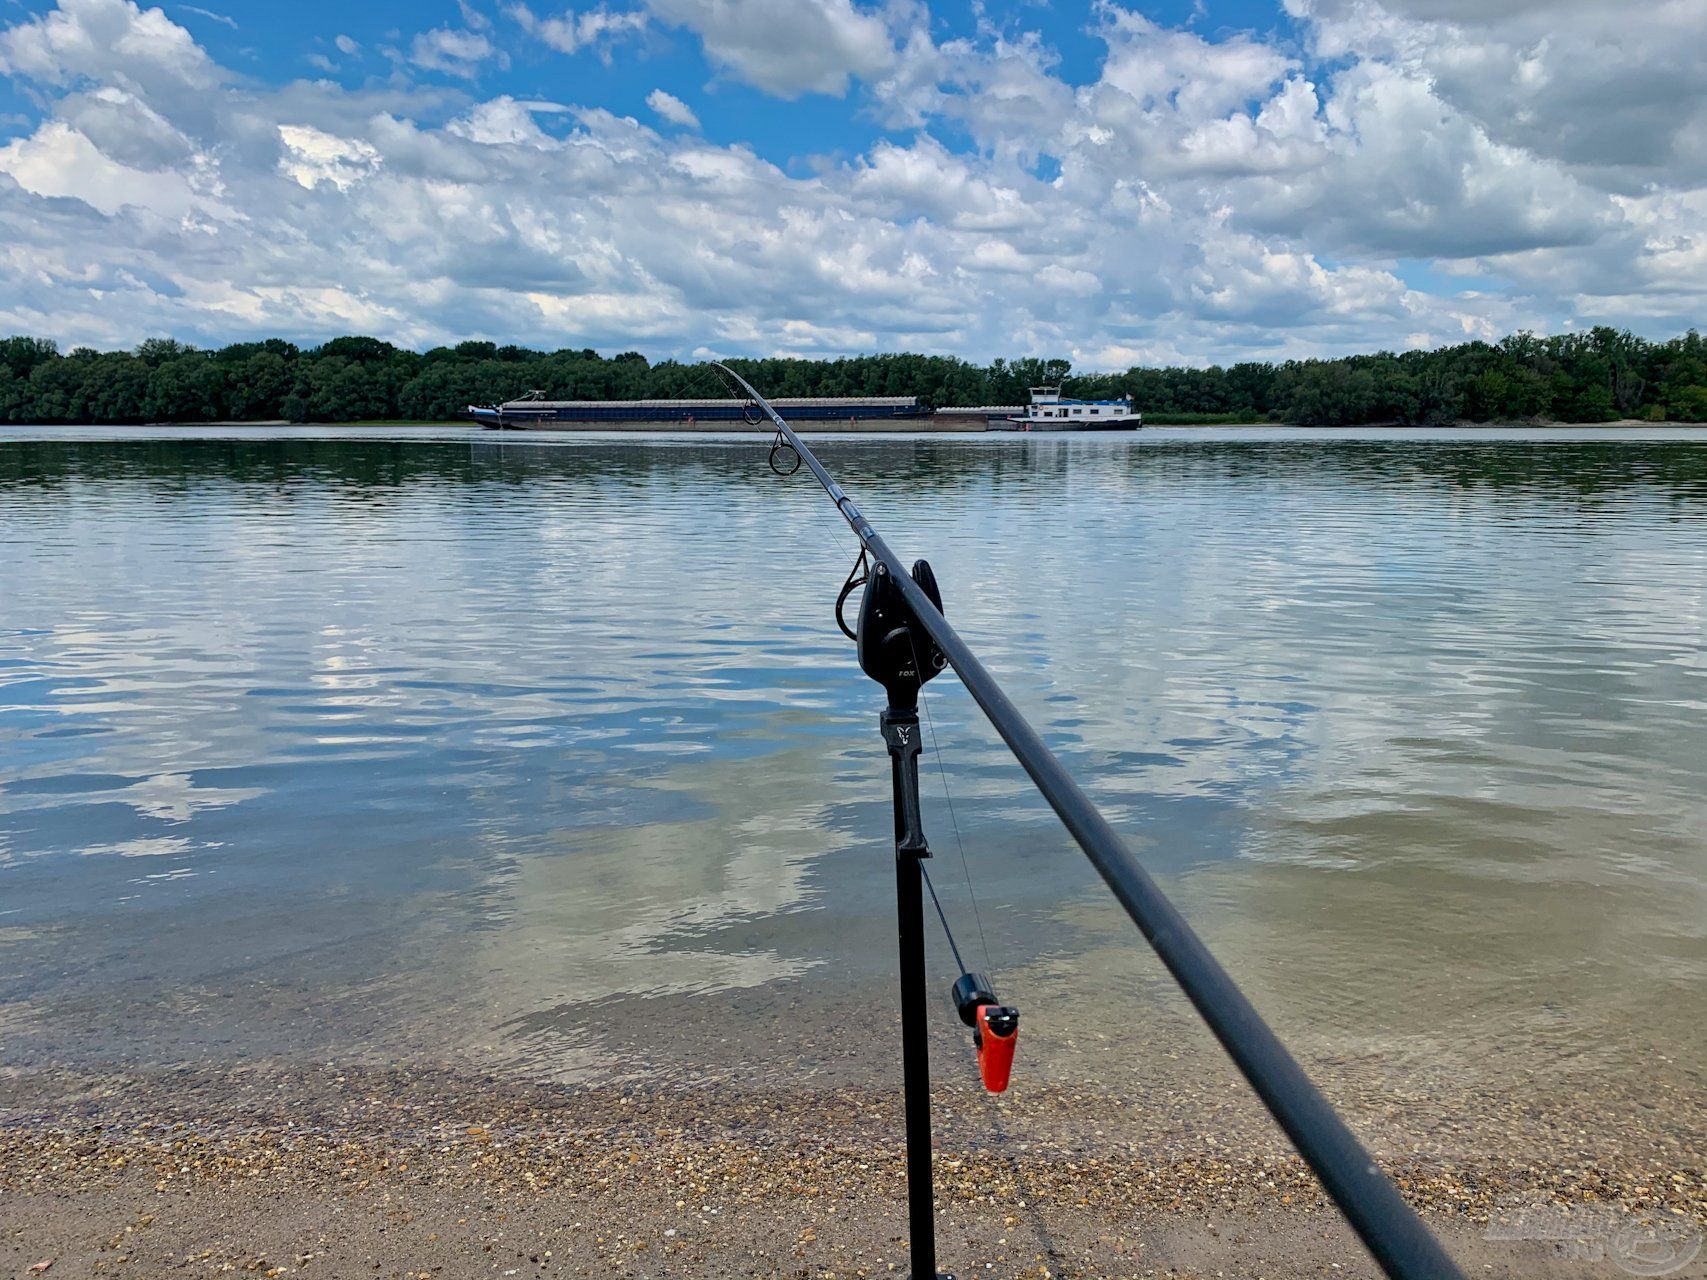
(210, 15)
(312, 157)
(57, 160)
(570, 32)
(124, 128)
(672, 109)
(1614, 91)
(1400, 174)
(347, 46)
(787, 47)
(1002, 90)
(504, 121)
(110, 42)
(1187, 199)
(457, 53)
(1156, 66)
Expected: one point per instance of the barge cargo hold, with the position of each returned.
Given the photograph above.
(533, 410)
(977, 417)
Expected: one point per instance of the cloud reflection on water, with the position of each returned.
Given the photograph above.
(1412, 726)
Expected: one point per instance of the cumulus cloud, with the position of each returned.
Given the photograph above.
(570, 32)
(140, 50)
(455, 52)
(1410, 177)
(787, 47)
(1002, 90)
(1612, 91)
(312, 157)
(1201, 79)
(672, 109)
(1188, 197)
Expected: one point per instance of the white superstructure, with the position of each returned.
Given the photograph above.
(1049, 412)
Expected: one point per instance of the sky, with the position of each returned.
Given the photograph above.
(1116, 183)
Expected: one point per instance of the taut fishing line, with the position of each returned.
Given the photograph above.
(954, 822)
(784, 460)
(856, 578)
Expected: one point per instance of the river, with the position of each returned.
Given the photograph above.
(544, 755)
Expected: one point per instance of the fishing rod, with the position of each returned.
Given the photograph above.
(904, 640)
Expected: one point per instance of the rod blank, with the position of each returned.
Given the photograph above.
(1397, 1239)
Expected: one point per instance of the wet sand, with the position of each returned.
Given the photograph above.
(759, 1134)
(320, 1172)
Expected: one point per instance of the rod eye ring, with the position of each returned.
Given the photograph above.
(751, 414)
(858, 576)
(788, 463)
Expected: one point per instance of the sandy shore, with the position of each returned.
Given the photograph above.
(318, 1172)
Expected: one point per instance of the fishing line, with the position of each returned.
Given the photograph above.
(834, 529)
(830, 525)
(854, 580)
(784, 458)
(954, 822)
(710, 377)
(947, 932)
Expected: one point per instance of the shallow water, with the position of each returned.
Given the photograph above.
(546, 755)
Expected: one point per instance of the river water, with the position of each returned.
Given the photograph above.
(544, 755)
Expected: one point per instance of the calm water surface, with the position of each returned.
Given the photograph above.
(546, 754)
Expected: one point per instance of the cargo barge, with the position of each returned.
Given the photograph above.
(535, 411)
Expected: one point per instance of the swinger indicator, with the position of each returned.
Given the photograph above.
(995, 1028)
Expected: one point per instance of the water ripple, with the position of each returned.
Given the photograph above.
(485, 736)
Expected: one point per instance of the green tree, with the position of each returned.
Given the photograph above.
(157, 351)
(339, 389)
(57, 391)
(1688, 404)
(188, 388)
(358, 349)
(21, 355)
(258, 386)
(117, 389)
(1590, 376)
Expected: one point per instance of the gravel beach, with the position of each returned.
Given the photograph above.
(318, 1172)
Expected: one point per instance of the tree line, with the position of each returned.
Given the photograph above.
(1600, 375)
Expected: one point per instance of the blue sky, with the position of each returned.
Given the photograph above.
(1112, 182)
(281, 43)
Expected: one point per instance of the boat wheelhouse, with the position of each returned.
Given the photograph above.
(1048, 411)
(534, 410)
